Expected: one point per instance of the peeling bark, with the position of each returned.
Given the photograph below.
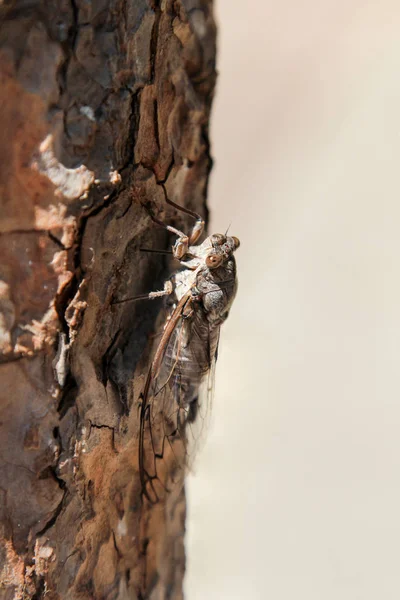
(104, 106)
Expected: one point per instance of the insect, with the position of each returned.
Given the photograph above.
(201, 294)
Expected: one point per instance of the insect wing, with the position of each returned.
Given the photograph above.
(199, 417)
(192, 380)
(177, 403)
(162, 448)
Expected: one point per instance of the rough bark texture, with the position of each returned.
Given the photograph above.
(102, 102)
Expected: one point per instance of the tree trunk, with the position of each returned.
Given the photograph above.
(104, 107)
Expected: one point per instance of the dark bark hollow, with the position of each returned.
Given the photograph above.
(104, 107)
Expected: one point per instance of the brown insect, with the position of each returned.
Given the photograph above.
(202, 293)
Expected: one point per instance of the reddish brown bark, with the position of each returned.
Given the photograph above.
(101, 104)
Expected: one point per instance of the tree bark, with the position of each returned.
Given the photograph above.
(104, 106)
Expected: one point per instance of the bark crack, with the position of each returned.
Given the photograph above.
(109, 428)
(154, 39)
(54, 518)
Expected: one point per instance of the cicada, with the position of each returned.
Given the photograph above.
(179, 383)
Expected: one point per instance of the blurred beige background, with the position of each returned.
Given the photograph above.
(297, 491)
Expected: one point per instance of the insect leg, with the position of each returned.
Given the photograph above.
(181, 245)
(184, 241)
(168, 289)
(198, 226)
(153, 251)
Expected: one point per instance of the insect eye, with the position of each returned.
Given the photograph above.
(236, 242)
(213, 260)
(217, 239)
